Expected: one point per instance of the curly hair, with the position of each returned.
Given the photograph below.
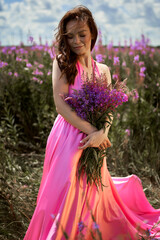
(66, 58)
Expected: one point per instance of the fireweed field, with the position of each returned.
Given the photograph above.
(27, 114)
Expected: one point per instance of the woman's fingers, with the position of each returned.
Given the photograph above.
(109, 144)
(105, 144)
(87, 144)
(84, 139)
(93, 140)
(102, 147)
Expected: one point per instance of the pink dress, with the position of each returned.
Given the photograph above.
(64, 201)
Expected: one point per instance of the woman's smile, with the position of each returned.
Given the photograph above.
(78, 47)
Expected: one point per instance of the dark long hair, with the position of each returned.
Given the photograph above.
(66, 58)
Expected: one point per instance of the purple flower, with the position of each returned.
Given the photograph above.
(110, 45)
(49, 73)
(136, 58)
(35, 79)
(115, 76)
(142, 69)
(134, 95)
(18, 59)
(148, 231)
(95, 97)
(37, 72)
(130, 53)
(99, 58)
(13, 48)
(16, 74)
(95, 226)
(41, 66)
(30, 39)
(3, 64)
(141, 63)
(9, 73)
(29, 65)
(143, 52)
(124, 64)
(80, 226)
(51, 53)
(141, 74)
(128, 132)
(116, 61)
(25, 60)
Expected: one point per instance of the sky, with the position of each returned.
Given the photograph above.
(118, 20)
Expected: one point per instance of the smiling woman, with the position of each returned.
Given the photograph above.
(71, 41)
(67, 205)
(77, 40)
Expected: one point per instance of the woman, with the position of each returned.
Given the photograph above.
(63, 200)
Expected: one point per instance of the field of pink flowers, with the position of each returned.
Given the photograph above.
(27, 113)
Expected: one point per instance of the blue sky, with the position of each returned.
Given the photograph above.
(118, 20)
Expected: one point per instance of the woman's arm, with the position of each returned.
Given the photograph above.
(60, 86)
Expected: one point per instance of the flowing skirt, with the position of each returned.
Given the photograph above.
(67, 205)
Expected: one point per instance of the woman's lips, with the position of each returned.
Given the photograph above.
(78, 47)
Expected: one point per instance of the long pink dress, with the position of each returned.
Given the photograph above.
(65, 201)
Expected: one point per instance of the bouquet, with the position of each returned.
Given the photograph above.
(95, 102)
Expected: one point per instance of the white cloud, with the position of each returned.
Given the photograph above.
(118, 20)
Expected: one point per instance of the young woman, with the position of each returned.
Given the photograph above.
(65, 203)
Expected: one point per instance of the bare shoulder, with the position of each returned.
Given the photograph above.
(103, 68)
(55, 68)
(55, 63)
(57, 73)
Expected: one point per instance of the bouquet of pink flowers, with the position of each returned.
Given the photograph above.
(95, 102)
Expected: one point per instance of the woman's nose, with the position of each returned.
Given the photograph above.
(76, 39)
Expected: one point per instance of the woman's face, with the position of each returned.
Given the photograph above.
(78, 37)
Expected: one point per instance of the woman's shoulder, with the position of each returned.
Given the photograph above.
(102, 67)
(56, 62)
(56, 57)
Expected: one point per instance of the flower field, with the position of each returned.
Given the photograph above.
(27, 113)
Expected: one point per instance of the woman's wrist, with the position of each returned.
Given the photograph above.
(104, 131)
(91, 129)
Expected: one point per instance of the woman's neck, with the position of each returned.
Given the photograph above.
(86, 62)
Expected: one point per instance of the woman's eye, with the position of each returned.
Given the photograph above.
(70, 37)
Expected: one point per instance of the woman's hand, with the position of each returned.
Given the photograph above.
(96, 139)
(105, 144)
